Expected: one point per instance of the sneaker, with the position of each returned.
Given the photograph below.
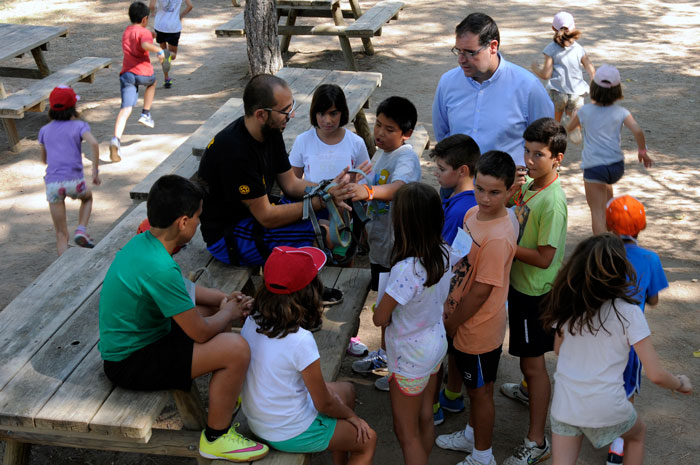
(374, 360)
(528, 453)
(469, 460)
(356, 347)
(514, 391)
(331, 296)
(455, 441)
(168, 83)
(115, 151)
(232, 446)
(166, 61)
(382, 383)
(614, 458)
(438, 417)
(146, 120)
(83, 240)
(454, 406)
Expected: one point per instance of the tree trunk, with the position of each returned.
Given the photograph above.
(261, 36)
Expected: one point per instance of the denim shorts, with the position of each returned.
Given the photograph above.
(604, 174)
(129, 84)
(315, 439)
(599, 437)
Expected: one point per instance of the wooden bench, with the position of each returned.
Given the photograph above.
(35, 97)
(358, 87)
(52, 387)
(365, 26)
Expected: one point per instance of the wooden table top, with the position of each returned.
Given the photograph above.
(307, 4)
(21, 38)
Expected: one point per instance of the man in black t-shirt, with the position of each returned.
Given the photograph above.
(240, 223)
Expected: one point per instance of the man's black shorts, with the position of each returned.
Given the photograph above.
(165, 364)
(527, 335)
(173, 38)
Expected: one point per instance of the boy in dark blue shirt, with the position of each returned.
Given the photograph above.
(455, 157)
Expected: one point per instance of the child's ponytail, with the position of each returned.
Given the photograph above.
(564, 37)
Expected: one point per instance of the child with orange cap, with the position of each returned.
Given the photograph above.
(625, 216)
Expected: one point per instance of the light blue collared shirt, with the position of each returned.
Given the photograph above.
(494, 113)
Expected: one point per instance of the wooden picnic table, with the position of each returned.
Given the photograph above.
(53, 389)
(357, 86)
(21, 38)
(366, 25)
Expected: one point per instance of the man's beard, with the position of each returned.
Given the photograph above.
(269, 131)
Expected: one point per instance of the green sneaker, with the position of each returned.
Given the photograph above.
(232, 446)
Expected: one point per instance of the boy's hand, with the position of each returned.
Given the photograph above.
(358, 192)
(341, 192)
(237, 304)
(362, 428)
(644, 158)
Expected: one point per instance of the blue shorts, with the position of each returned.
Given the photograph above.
(129, 84)
(604, 174)
(315, 439)
(632, 375)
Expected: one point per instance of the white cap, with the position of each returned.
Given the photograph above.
(563, 19)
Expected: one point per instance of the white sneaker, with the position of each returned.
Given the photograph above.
(147, 120)
(469, 460)
(528, 453)
(455, 441)
(356, 347)
(514, 391)
(115, 151)
(382, 383)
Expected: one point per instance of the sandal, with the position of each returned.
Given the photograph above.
(331, 296)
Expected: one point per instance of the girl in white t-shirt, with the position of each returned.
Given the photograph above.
(602, 160)
(596, 320)
(285, 399)
(411, 311)
(563, 60)
(327, 148)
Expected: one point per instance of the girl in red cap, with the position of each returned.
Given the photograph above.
(61, 151)
(286, 400)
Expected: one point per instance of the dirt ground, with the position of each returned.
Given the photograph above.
(653, 43)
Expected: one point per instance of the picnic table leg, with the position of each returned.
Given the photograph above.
(345, 46)
(16, 453)
(285, 39)
(362, 128)
(234, 3)
(356, 13)
(12, 134)
(189, 405)
(41, 62)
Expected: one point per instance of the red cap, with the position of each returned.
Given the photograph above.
(62, 98)
(625, 216)
(289, 269)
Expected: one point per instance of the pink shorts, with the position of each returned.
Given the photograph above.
(414, 386)
(57, 191)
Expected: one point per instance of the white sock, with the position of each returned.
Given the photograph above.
(617, 446)
(482, 456)
(469, 433)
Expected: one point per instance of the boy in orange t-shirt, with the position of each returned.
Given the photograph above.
(136, 71)
(475, 310)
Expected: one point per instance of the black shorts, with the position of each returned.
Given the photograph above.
(527, 335)
(165, 364)
(478, 370)
(376, 269)
(173, 38)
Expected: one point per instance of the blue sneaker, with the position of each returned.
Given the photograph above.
(438, 417)
(374, 361)
(453, 406)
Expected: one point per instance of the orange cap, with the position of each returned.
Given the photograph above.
(625, 215)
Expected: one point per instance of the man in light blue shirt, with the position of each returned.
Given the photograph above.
(487, 97)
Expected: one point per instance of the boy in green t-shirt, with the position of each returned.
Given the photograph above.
(160, 331)
(540, 206)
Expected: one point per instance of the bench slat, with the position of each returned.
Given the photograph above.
(235, 27)
(58, 294)
(225, 115)
(373, 19)
(16, 104)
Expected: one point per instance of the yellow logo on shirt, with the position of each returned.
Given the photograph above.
(210, 142)
(244, 189)
(383, 177)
